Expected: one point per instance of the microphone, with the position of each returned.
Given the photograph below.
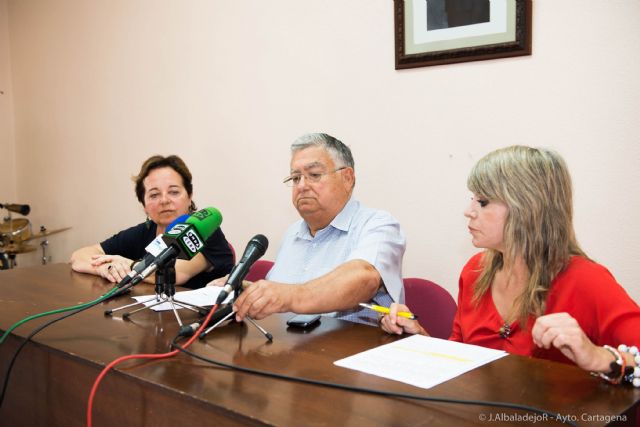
(184, 240)
(158, 244)
(255, 249)
(222, 313)
(12, 207)
(189, 237)
(153, 250)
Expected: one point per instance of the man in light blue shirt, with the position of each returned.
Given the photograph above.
(339, 254)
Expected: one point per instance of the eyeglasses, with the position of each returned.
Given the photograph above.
(311, 177)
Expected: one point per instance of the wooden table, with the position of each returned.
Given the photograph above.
(53, 375)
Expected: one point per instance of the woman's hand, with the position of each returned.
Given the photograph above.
(394, 324)
(563, 332)
(221, 281)
(112, 267)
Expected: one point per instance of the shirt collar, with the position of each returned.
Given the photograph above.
(342, 221)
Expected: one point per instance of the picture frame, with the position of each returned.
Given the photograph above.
(436, 32)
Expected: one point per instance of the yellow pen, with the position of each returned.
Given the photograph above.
(385, 310)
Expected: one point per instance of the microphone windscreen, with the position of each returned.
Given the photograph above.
(206, 221)
(24, 209)
(261, 241)
(181, 218)
(14, 207)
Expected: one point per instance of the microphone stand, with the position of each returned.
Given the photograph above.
(158, 297)
(11, 262)
(165, 292)
(225, 317)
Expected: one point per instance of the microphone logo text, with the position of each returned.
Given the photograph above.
(192, 241)
(177, 229)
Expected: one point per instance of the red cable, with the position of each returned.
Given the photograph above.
(140, 356)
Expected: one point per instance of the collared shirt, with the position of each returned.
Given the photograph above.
(357, 232)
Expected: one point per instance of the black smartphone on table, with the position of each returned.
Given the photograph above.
(303, 320)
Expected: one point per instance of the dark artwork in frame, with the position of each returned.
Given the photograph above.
(456, 13)
(435, 32)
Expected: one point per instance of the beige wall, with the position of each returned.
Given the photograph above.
(101, 85)
(7, 143)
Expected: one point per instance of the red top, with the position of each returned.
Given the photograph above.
(585, 290)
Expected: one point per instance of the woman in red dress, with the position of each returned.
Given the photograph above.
(533, 291)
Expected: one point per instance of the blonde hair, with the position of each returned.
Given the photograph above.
(535, 185)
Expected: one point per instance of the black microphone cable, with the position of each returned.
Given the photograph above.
(109, 294)
(552, 415)
(79, 308)
(82, 308)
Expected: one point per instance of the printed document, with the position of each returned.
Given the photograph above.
(421, 361)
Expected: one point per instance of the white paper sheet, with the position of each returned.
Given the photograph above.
(421, 361)
(202, 297)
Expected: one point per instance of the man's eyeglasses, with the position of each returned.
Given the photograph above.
(310, 177)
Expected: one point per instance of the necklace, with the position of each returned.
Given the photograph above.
(505, 331)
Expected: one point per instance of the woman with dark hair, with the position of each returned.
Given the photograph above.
(163, 187)
(533, 291)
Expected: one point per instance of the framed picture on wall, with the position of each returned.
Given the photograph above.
(435, 32)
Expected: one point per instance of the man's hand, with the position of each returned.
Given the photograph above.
(263, 298)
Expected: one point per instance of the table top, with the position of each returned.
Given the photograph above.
(93, 338)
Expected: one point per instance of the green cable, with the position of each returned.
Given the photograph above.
(60, 310)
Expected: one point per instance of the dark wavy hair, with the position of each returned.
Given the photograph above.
(156, 162)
